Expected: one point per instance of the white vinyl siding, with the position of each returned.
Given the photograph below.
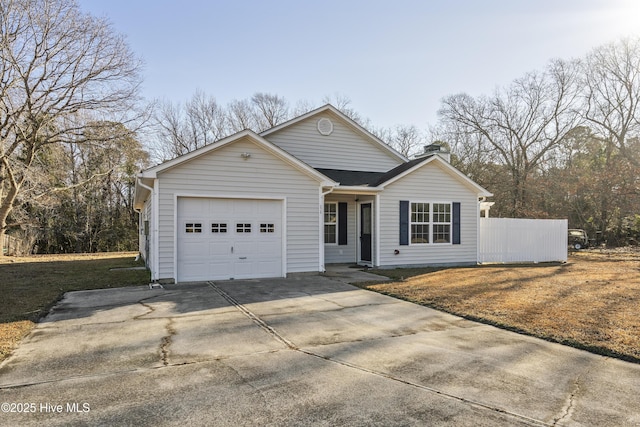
(429, 183)
(344, 149)
(224, 172)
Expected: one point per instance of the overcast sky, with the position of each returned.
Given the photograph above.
(394, 59)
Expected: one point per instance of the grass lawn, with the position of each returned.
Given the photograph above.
(591, 302)
(30, 286)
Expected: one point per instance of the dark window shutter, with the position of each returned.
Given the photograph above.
(404, 222)
(456, 223)
(342, 223)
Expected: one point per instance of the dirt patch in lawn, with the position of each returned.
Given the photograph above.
(591, 302)
(31, 285)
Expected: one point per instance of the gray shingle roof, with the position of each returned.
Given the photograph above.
(368, 179)
(399, 169)
(351, 178)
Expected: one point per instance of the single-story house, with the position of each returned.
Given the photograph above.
(315, 190)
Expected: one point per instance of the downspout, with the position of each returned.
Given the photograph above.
(321, 228)
(143, 185)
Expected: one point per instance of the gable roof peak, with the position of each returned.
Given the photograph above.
(345, 119)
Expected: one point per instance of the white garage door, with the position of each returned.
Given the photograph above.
(220, 239)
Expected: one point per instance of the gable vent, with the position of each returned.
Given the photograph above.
(325, 126)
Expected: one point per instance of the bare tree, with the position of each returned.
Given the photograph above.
(169, 122)
(57, 67)
(303, 106)
(612, 92)
(522, 124)
(241, 116)
(271, 110)
(183, 129)
(206, 120)
(343, 103)
(407, 139)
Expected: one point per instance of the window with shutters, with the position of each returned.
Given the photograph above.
(430, 223)
(441, 220)
(420, 223)
(330, 223)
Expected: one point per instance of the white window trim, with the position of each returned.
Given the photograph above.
(431, 223)
(335, 224)
(412, 223)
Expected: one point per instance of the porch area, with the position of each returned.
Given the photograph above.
(349, 224)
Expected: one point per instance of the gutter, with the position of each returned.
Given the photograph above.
(146, 187)
(356, 189)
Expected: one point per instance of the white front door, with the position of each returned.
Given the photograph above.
(221, 239)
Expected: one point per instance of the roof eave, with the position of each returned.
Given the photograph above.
(356, 189)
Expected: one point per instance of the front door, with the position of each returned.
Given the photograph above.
(365, 232)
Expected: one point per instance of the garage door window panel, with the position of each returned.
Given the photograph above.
(243, 228)
(267, 228)
(193, 227)
(218, 227)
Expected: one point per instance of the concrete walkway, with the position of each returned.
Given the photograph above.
(307, 350)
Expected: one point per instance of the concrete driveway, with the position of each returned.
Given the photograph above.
(307, 350)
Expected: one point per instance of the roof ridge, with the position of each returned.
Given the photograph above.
(391, 173)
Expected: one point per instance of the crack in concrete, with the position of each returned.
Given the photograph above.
(147, 306)
(166, 342)
(347, 307)
(95, 375)
(567, 410)
(256, 319)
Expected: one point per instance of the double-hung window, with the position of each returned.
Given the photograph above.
(441, 220)
(430, 222)
(420, 213)
(330, 222)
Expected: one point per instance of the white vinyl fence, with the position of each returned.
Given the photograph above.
(506, 240)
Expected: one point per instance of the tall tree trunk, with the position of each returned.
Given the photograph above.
(6, 204)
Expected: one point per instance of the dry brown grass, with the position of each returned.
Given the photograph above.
(590, 302)
(31, 285)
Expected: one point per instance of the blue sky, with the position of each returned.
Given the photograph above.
(394, 59)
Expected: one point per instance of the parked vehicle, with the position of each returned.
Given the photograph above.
(578, 239)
